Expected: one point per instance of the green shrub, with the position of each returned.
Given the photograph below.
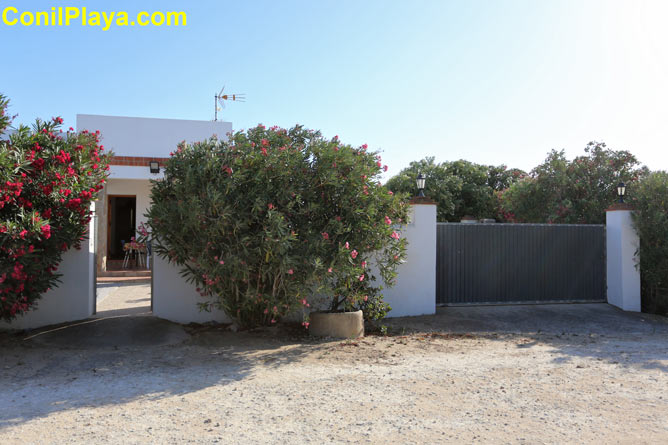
(571, 192)
(47, 181)
(650, 199)
(460, 188)
(263, 222)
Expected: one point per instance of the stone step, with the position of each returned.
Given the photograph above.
(125, 273)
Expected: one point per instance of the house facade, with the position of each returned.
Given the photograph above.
(135, 143)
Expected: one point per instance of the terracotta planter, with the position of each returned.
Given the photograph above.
(337, 324)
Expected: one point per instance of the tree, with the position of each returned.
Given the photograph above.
(267, 220)
(48, 180)
(570, 192)
(650, 218)
(460, 188)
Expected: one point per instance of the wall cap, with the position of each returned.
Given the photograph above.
(421, 200)
(619, 206)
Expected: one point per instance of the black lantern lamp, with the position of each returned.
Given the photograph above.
(420, 185)
(621, 191)
(154, 167)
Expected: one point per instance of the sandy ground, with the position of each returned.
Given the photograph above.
(278, 385)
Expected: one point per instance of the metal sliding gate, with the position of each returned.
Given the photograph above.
(520, 263)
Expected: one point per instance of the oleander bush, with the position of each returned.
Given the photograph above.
(267, 220)
(48, 178)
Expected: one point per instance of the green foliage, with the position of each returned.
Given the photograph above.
(571, 192)
(263, 222)
(650, 200)
(460, 188)
(47, 181)
(5, 119)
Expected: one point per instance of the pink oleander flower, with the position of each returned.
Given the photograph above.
(329, 270)
(388, 221)
(353, 254)
(361, 277)
(325, 235)
(395, 235)
(347, 245)
(364, 264)
(46, 231)
(290, 271)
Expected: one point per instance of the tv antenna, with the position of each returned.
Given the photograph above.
(221, 98)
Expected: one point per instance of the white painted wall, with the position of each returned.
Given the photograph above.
(74, 297)
(176, 300)
(623, 276)
(415, 290)
(137, 187)
(413, 294)
(133, 172)
(149, 137)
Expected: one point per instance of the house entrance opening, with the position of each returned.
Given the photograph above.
(124, 288)
(122, 217)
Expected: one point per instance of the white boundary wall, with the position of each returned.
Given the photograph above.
(73, 299)
(413, 294)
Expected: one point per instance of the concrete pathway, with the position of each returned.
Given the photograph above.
(115, 299)
(123, 319)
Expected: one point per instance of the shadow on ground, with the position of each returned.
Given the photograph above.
(115, 360)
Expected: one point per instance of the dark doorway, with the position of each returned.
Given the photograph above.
(121, 226)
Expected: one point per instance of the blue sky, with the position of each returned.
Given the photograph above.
(495, 82)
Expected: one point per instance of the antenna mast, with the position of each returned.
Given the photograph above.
(220, 98)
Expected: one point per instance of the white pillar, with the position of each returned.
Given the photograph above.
(175, 299)
(415, 290)
(622, 243)
(73, 298)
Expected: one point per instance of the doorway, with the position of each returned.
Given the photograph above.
(121, 224)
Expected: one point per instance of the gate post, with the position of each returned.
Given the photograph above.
(621, 244)
(414, 292)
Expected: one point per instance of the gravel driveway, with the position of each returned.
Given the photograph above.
(464, 375)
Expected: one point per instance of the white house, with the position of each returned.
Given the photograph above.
(135, 143)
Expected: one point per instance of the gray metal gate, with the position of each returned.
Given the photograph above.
(519, 263)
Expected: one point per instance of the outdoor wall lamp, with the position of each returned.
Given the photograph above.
(621, 191)
(154, 167)
(420, 184)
